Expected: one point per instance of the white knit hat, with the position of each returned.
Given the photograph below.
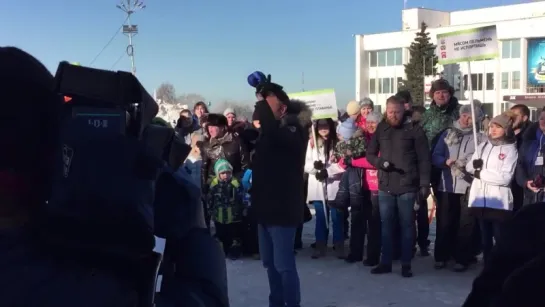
(229, 111)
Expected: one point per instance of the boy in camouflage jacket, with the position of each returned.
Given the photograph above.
(225, 205)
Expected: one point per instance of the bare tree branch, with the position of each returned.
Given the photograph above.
(240, 108)
(166, 93)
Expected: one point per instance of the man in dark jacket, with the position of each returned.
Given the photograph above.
(277, 191)
(520, 125)
(404, 177)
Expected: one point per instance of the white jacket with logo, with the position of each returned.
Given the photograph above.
(490, 196)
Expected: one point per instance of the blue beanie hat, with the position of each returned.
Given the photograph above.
(347, 128)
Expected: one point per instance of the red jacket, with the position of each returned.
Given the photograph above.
(361, 122)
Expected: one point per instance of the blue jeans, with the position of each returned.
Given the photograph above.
(490, 232)
(337, 223)
(276, 249)
(404, 205)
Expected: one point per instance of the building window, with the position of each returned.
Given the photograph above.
(504, 106)
(489, 81)
(399, 57)
(504, 80)
(399, 83)
(476, 82)
(510, 49)
(390, 57)
(372, 86)
(373, 58)
(534, 114)
(383, 58)
(515, 80)
(386, 86)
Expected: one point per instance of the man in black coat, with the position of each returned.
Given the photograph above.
(277, 190)
(404, 178)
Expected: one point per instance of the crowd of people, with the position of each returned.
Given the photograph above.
(369, 176)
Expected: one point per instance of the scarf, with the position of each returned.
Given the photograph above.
(508, 138)
(455, 134)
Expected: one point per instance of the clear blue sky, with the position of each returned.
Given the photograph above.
(210, 46)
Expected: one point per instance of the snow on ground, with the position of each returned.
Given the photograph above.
(330, 282)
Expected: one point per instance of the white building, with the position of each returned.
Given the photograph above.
(497, 83)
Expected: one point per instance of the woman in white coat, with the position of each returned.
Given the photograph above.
(493, 166)
(323, 184)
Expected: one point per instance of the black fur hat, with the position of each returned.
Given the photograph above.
(217, 120)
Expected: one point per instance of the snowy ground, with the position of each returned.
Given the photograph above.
(330, 282)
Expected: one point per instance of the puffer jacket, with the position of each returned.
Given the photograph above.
(350, 189)
(230, 148)
(457, 147)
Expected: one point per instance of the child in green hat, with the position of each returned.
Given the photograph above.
(226, 208)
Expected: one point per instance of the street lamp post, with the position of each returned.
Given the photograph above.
(130, 7)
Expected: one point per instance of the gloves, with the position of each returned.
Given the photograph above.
(423, 194)
(318, 165)
(477, 173)
(322, 175)
(478, 164)
(347, 161)
(386, 165)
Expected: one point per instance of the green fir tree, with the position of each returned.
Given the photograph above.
(421, 49)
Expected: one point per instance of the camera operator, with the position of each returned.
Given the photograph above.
(36, 274)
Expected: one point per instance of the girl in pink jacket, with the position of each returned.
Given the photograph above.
(365, 218)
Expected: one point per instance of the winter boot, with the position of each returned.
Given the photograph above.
(235, 251)
(406, 271)
(382, 269)
(320, 250)
(352, 258)
(339, 250)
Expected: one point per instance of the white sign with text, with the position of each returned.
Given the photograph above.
(322, 103)
(467, 45)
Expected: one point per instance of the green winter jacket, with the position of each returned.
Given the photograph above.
(225, 201)
(436, 119)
